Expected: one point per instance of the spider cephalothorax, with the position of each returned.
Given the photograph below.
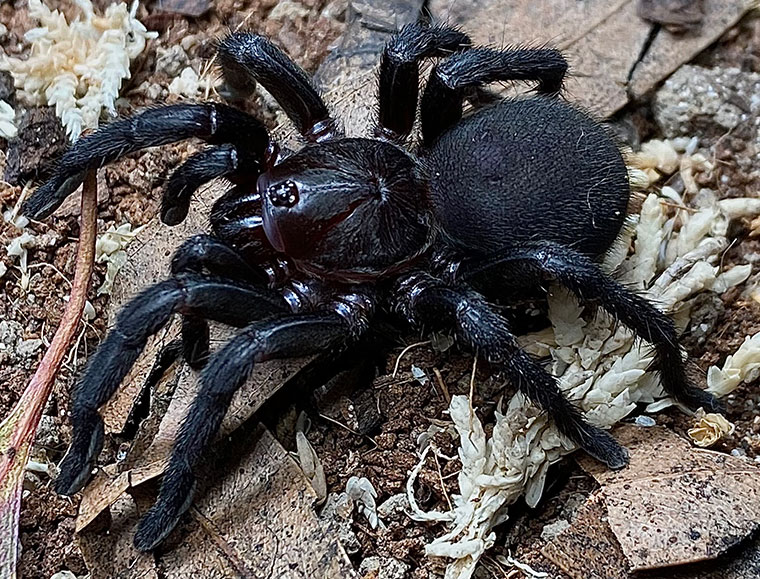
(309, 249)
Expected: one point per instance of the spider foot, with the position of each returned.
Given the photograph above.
(49, 196)
(175, 498)
(697, 398)
(602, 446)
(77, 465)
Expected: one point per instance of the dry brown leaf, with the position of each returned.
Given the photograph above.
(677, 15)
(613, 53)
(257, 518)
(111, 555)
(148, 463)
(588, 549)
(668, 50)
(674, 504)
(149, 259)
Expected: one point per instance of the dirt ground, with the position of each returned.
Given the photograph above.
(47, 523)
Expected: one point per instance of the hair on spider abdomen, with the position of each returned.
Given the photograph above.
(310, 250)
(559, 175)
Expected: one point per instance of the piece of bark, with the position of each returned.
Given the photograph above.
(675, 504)
(614, 54)
(41, 140)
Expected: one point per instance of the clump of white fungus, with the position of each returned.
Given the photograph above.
(78, 67)
(110, 248)
(8, 128)
(601, 367)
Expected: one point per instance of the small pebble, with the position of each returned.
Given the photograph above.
(645, 421)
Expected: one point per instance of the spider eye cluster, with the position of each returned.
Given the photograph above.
(283, 194)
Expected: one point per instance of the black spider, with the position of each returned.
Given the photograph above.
(308, 249)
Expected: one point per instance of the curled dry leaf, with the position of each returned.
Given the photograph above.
(312, 466)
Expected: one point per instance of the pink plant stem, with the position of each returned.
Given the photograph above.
(18, 429)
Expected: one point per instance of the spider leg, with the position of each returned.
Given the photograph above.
(427, 301)
(217, 299)
(250, 58)
(543, 261)
(203, 253)
(230, 161)
(286, 336)
(450, 80)
(212, 122)
(398, 85)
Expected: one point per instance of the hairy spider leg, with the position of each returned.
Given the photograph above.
(204, 253)
(286, 336)
(222, 300)
(427, 301)
(231, 161)
(538, 262)
(451, 80)
(212, 122)
(398, 84)
(250, 58)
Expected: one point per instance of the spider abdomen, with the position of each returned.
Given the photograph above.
(535, 169)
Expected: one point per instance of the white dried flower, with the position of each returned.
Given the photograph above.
(78, 67)
(710, 428)
(187, 84)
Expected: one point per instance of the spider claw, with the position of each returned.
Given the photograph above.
(602, 446)
(175, 498)
(77, 465)
(697, 398)
(48, 197)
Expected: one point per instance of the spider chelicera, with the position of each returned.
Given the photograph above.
(308, 249)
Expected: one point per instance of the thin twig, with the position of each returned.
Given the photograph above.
(440, 478)
(403, 353)
(472, 389)
(442, 384)
(17, 431)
